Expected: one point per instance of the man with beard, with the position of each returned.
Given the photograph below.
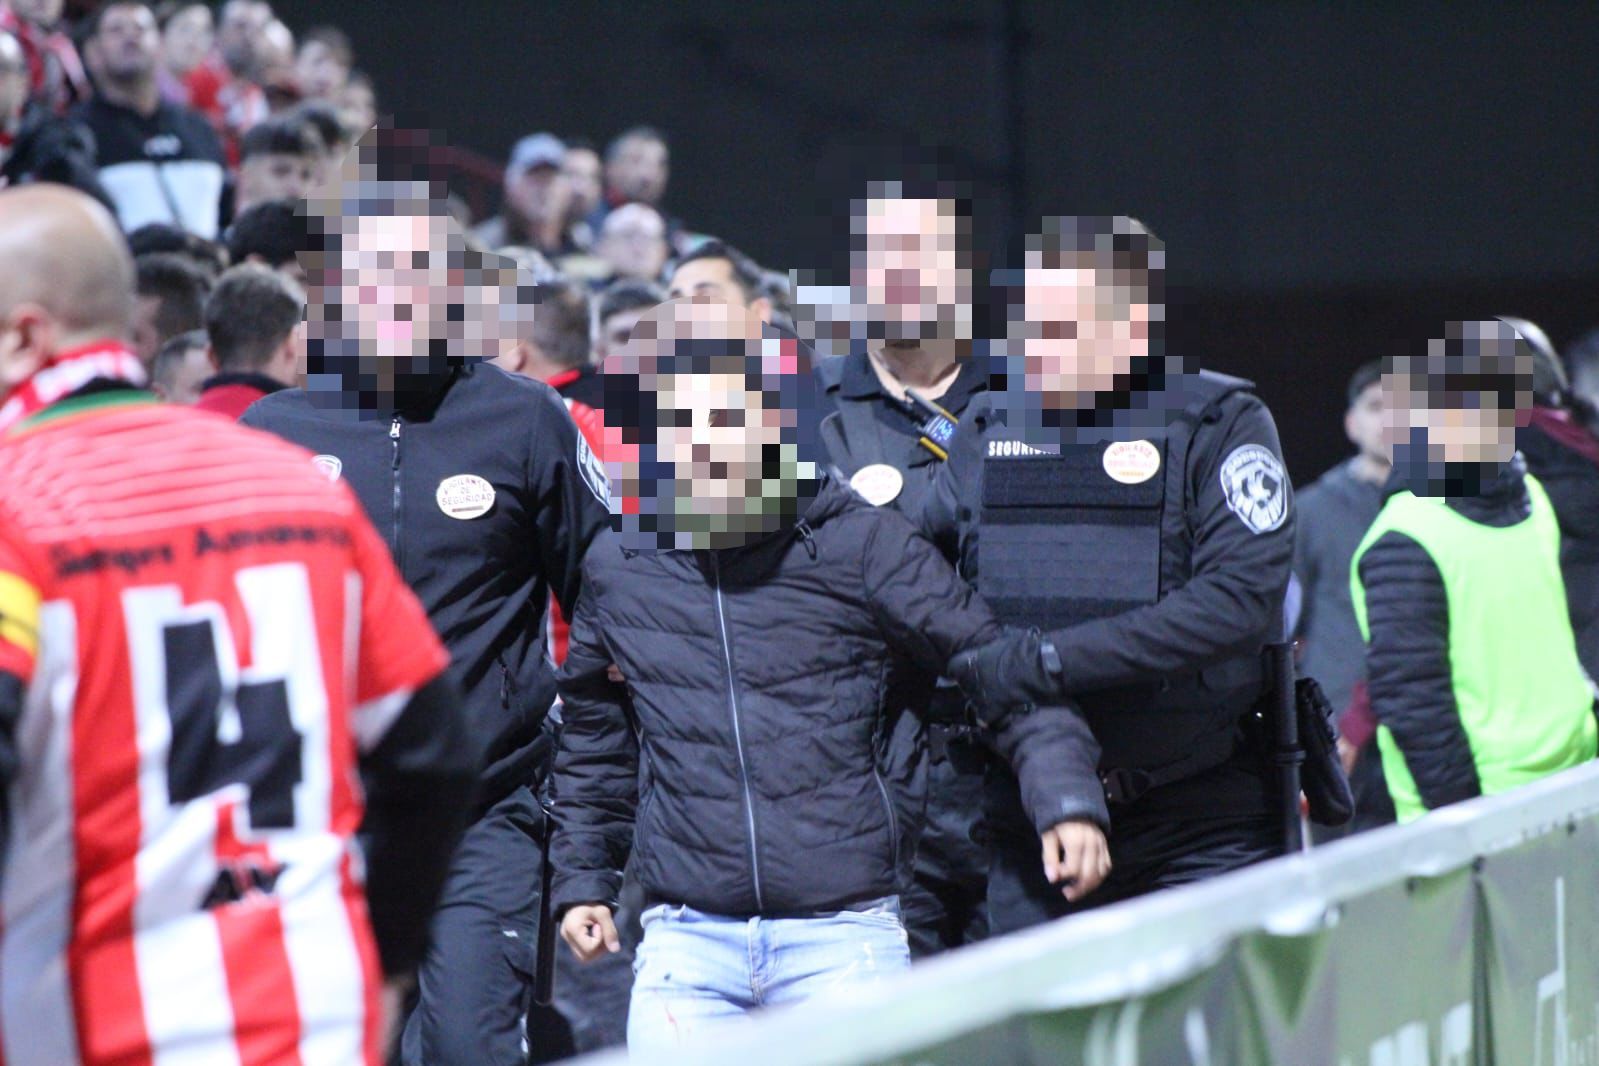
(895, 399)
(753, 610)
(488, 498)
(1135, 513)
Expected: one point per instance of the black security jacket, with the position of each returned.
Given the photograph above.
(747, 747)
(1194, 651)
(484, 580)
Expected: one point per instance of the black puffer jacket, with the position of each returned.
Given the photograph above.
(1411, 680)
(749, 740)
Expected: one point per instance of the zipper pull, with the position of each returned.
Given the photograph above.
(394, 429)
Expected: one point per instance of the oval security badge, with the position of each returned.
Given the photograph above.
(465, 496)
(1132, 462)
(330, 465)
(878, 484)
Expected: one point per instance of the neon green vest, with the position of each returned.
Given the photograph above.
(1524, 701)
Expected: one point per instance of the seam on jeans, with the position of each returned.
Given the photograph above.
(751, 935)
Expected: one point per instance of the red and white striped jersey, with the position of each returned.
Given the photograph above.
(209, 632)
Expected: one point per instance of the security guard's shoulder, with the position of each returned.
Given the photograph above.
(1207, 395)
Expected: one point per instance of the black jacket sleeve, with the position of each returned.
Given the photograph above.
(420, 780)
(928, 614)
(568, 484)
(595, 780)
(1407, 660)
(12, 694)
(1232, 603)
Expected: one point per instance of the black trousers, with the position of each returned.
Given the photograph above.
(1147, 854)
(474, 998)
(946, 903)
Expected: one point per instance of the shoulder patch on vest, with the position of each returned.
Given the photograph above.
(1256, 487)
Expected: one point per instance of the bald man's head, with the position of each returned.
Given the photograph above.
(65, 277)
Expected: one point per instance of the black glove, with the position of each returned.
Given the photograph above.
(1010, 675)
(1325, 784)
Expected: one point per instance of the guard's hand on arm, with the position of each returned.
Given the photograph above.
(589, 931)
(1015, 672)
(1076, 858)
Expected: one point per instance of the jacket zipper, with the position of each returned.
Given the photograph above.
(738, 736)
(399, 545)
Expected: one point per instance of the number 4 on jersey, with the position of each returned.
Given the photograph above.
(229, 725)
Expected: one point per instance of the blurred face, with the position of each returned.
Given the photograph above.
(274, 54)
(320, 72)
(539, 193)
(146, 338)
(713, 432)
(183, 386)
(187, 39)
(275, 176)
(239, 31)
(128, 43)
(1363, 423)
(1079, 337)
(39, 12)
(713, 281)
(907, 269)
(358, 106)
(616, 330)
(13, 79)
(634, 243)
(581, 168)
(396, 285)
(639, 169)
(1476, 431)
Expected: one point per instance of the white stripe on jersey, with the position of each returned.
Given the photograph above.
(186, 1007)
(37, 1024)
(323, 954)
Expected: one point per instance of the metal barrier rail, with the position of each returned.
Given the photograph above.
(1142, 947)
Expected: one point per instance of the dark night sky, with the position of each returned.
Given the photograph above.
(1332, 182)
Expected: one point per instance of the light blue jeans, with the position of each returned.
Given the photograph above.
(695, 971)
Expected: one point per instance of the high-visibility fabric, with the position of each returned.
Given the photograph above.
(1523, 700)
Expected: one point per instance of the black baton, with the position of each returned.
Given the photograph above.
(1287, 755)
(544, 960)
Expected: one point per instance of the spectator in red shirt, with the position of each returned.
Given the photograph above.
(223, 87)
(56, 76)
(255, 322)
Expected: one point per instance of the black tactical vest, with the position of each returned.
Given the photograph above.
(1062, 542)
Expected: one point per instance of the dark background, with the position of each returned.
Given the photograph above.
(1332, 182)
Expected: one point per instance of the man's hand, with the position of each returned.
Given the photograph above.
(1347, 754)
(392, 1004)
(1076, 858)
(589, 932)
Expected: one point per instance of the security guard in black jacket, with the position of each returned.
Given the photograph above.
(891, 406)
(488, 498)
(1137, 515)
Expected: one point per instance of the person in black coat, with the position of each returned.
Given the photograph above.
(488, 498)
(1136, 511)
(1561, 449)
(755, 613)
